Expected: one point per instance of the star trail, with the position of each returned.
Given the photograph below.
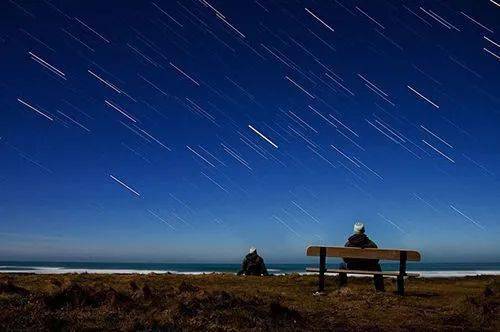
(129, 128)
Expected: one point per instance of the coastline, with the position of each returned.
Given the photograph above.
(49, 271)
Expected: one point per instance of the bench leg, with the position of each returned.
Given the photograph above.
(401, 285)
(322, 269)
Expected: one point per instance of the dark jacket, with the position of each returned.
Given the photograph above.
(253, 265)
(360, 241)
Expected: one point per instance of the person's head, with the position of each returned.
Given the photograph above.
(252, 250)
(359, 228)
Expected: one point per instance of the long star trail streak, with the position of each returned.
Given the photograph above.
(92, 30)
(215, 182)
(321, 157)
(167, 14)
(120, 110)
(490, 52)
(422, 96)
(491, 41)
(104, 81)
(263, 136)
(305, 212)
(476, 22)
(124, 185)
(343, 125)
(47, 65)
(161, 219)
(200, 156)
(74, 121)
(286, 225)
(320, 20)
(370, 18)
(438, 151)
(425, 202)
(322, 116)
(185, 75)
(299, 87)
(436, 136)
(339, 84)
(155, 139)
(466, 217)
(391, 222)
(34, 109)
(344, 155)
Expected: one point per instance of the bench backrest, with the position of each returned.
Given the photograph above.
(369, 253)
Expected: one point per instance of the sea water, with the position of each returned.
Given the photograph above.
(425, 269)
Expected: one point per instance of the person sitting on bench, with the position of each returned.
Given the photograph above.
(253, 264)
(360, 240)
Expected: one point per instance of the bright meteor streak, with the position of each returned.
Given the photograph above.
(262, 135)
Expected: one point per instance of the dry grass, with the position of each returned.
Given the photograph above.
(228, 302)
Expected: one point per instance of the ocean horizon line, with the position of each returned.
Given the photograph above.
(445, 269)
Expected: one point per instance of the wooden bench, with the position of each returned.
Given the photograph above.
(401, 255)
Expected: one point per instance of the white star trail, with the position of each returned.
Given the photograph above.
(320, 20)
(491, 52)
(74, 121)
(298, 86)
(476, 22)
(47, 65)
(263, 136)
(104, 81)
(92, 30)
(305, 212)
(161, 219)
(286, 225)
(200, 156)
(34, 109)
(155, 139)
(344, 155)
(124, 185)
(466, 217)
(120, 110)
(422, 96)
(185, 75)
(438, 151)
(491, 41)
(167, 14)
(391, 222)
(370, 18)
(322, 116)
(436, 136)
(214, 182)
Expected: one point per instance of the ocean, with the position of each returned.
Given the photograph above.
(425, 269)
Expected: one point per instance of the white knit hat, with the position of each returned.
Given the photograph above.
(359, 227)
(252, 250)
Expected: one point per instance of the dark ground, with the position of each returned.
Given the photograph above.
(229, 303)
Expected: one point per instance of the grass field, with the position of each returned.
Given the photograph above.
(228, 302)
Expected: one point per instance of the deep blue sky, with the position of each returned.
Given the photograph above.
(420, 174)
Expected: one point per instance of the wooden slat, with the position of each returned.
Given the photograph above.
(386, 273)
(368, 253)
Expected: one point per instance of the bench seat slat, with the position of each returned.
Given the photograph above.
(367, 253)
(387, 273)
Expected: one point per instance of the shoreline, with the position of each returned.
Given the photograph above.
(62, 271)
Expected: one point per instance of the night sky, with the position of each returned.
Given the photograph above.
(191, 130)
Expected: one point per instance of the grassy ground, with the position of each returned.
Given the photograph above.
(228, 302)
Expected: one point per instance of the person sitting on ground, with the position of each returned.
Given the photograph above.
(360, 240)
(253, 264)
